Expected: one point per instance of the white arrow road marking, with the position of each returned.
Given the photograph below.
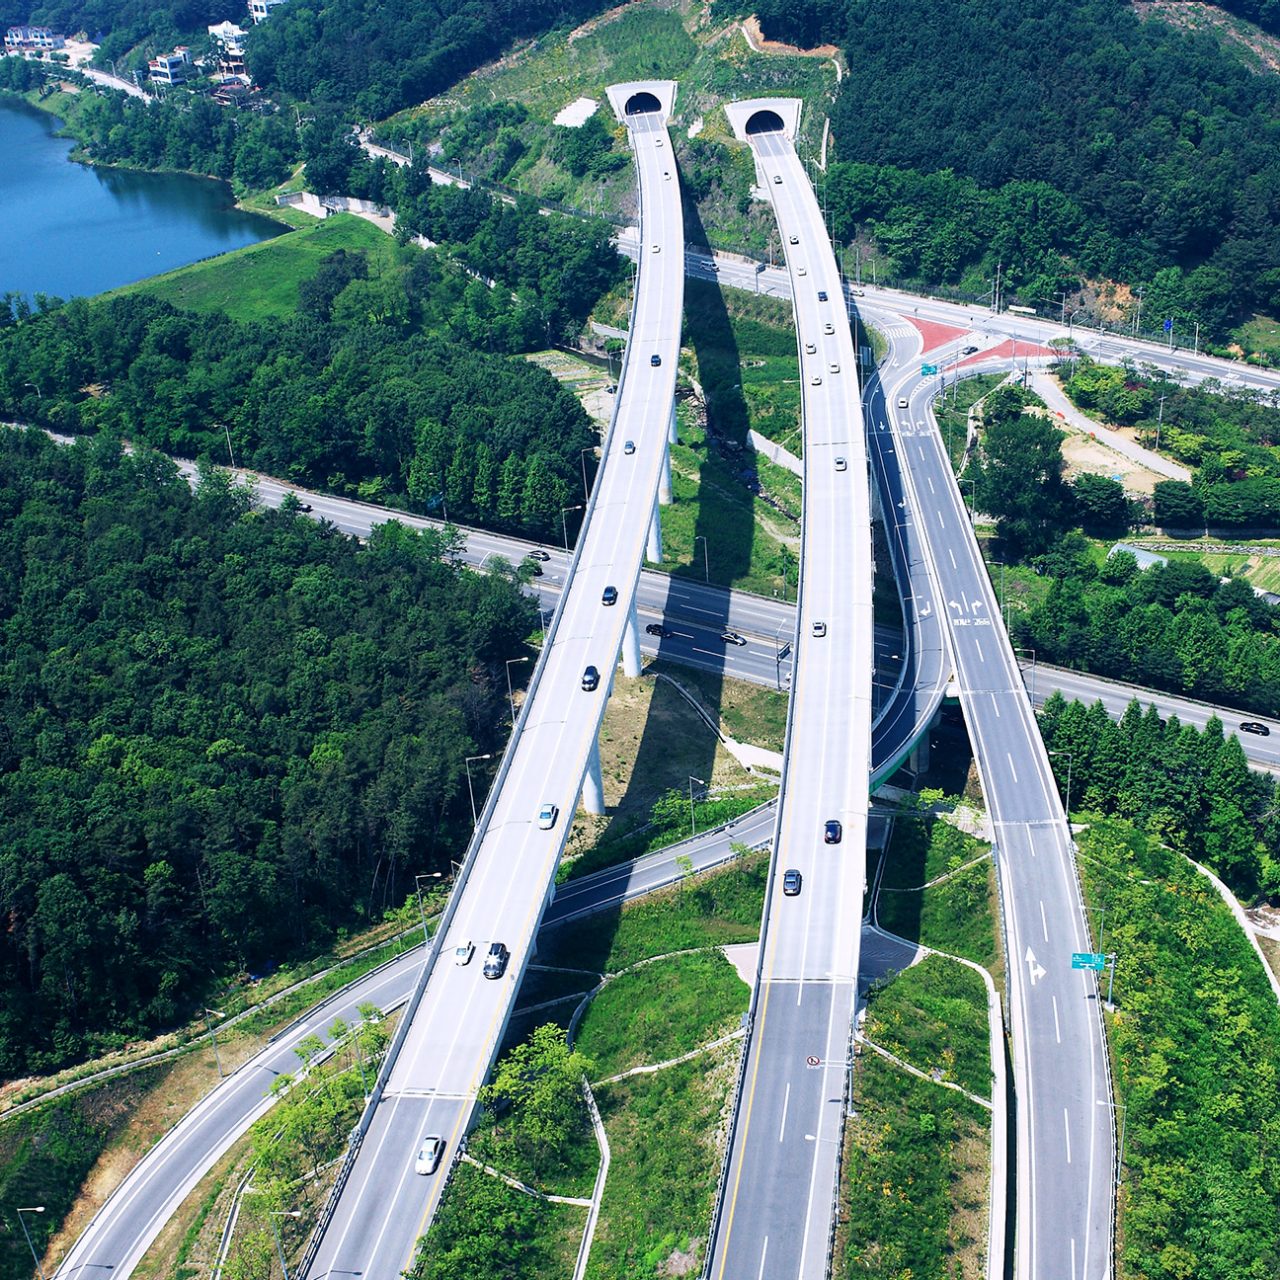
(1036, 968)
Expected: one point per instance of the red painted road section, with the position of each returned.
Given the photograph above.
(1013, 351)
(935, 334)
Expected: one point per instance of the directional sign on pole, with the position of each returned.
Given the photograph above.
(926, 369)
(1168, 326)
(1088, 960)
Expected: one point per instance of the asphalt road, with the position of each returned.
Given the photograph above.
(455, 1033)
(775, 1212)
(1065, 1152)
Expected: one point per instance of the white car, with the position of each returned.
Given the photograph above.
(463, 952)
(547, 816)
(833, 368)
(429, 1155)
(777, 179)
(902, 402)
(819, 629)
(657, 142)
(657, 248)
(828, 327)
(816, 380)
(795, 240)
(841, 464)
(810, 348)
(802, 271)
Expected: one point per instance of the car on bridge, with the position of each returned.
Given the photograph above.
(657, 629)
(591, 679)
(429, 1155)
(495, 963)
(791, 882)
(832, 832)
(547, 816)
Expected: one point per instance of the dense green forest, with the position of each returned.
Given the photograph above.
(346, 396)
(1195, 1043)
(227, 734)
(375, 59)
(1064, 140)
(1173, 627)
(1191, 788)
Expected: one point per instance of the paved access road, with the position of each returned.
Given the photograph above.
(774, 1215)
(1065, 1149)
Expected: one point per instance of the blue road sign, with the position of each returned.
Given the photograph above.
(1168, 326)
(926, 369)
(1088, 960)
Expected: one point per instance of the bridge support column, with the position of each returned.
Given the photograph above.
(672, 435)
(920, 753)
(664, 480)
(593, 783)
(653, 549)
(631, 645)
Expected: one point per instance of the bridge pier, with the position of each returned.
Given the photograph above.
(653, 549)
(631, 644)
(919, 760)
(593, 783)
(672, 434)
(664, 480)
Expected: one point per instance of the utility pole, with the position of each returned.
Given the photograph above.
(1159, 423)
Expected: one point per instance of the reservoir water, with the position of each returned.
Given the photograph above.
(70, 229)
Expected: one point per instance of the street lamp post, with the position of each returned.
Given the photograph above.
(417, 888)
(475, 821)
(217, 1013)
(693, 824)
(706, 563)
(275, 1231)
(564, 527)
(39, 1208)
(1067, 802)
(511, 697)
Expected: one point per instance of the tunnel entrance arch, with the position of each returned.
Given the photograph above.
(765, 122)
(642, 103)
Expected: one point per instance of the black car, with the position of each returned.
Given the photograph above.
(833, 832)
(791, 882)
(533, 568)
(304, 506)
(657, 629)
(610, 596)
(590, 679)
(1255, 726)
(655, 360)
(495, 963)
(540, 555)
(822, 295)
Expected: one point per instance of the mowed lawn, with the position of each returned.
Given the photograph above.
(260, 281)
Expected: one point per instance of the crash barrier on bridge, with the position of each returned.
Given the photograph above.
(469, 859)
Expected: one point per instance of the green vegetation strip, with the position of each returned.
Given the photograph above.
(934, 1016)
(661, 1010)
(952, 916)
(1195, 1044)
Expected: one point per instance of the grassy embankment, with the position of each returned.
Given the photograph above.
(1195, 1049)
(260, 281)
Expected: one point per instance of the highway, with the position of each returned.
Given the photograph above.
(775, 1211)
(454, 1031)
(1064, 1140)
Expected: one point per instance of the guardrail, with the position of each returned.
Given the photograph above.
(473, 847)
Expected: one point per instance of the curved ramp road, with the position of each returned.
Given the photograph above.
(457, 1026)
(775, 1212)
